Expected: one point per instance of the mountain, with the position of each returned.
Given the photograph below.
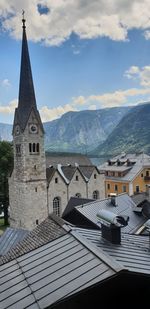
(82, 131)
(76, 131)
(132, 134)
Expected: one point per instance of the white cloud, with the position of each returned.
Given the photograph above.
(92, 107)
(79, 100)
(142, 74)
(116, 98)
(88, 19)
(48, 114)
(5, 83)
(10, 108)
(92, 102)
(132, 72)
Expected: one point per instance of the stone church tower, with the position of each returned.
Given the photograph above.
(27, 185)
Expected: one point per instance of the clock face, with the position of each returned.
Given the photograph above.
(33, 128)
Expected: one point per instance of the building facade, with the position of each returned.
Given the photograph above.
(127, 173)
(65, 182)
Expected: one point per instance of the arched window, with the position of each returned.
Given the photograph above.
(78, 195)
(56, 206)
(95, 195)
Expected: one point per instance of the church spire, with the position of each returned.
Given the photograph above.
(27, 100)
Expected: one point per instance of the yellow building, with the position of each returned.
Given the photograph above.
(126, 173)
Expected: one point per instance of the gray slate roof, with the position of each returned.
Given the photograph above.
(67, 171)
(141, 161)
(75, 201)
(55, 271)
(48, 230)
(10, 238)
(77, 260)
(125, 206)
(140, 197)
(133, 253)
(65, 159)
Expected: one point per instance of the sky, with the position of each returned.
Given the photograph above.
(85, 55)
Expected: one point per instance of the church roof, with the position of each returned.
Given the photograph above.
(50, 229)
(27, 100)
(66, 158)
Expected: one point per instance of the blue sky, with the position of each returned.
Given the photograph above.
(84, 55)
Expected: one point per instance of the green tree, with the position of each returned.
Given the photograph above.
(6, 167)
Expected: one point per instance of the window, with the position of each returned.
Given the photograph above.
(78, 195)
(56, 206)
(56, 180)
(18, 149)
(95, 176)
(142, 175)
(34, 148)
(116, 188)
(95, 195)
(77, 177)
(35, 189)
(108, 186)
(124, 189)
(137, 189)
(37, 147)
(37, 222)
(147, 173)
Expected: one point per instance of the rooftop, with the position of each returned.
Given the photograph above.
(68, 265)
(124, 206)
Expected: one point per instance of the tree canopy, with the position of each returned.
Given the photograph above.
(6, 166)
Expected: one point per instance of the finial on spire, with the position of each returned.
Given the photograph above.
(23, 19)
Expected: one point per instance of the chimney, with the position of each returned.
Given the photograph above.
(111, 225)
(113, 199)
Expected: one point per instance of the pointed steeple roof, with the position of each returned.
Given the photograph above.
(27, 100)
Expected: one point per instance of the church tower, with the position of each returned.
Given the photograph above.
(27, 185)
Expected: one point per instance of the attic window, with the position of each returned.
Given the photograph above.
(56, 180)
(95, 176)
(77, 177)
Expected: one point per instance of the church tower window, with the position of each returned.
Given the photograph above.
(18, 149)
(56, 206)
(34, 148)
